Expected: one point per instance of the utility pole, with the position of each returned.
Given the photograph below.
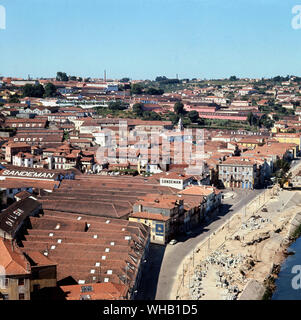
(183, 274)
(188, 276)
(208, 244)
(193, 258)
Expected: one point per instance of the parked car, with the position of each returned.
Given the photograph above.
(173, 242)
(264, 210)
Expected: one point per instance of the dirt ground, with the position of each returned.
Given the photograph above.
(246, 248)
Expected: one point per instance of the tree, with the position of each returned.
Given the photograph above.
(138, 109)
(50, 90)
(61, 76)
(151, 115)
(118, 105)
(173, 117)
(179, 108)
(36, 91)
(283, 175)
(72, 78)
(136, 88)
(154, 91)
(250, 118)
(160, 78)
(233, 78)
(13, 99)
(66, 136)
(193, 116)
(125, 80)
(164, 80)
(80, 79)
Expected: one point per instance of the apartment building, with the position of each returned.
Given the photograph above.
(238, 173)
(14, 272)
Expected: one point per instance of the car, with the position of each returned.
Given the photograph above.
(188, 233)
(173, 242)
(264, 210)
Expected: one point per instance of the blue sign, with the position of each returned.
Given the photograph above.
(160, 229)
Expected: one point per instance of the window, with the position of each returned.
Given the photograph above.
(21, 296)
(20, 282)
(109, 272)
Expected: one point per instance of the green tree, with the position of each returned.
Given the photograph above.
(36, 91)
(125, 80)
(136, 88)
(61, 76)
(193, 116)
(179, 108)
(50, 90)
(138, 109)
(154, 91)
(173, 117)
(251, 119)
(151, 115)
(158, 79)
(13, 99)
(117, 105)
(66, 136)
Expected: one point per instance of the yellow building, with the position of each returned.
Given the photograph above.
(289, 138)
(158, 224)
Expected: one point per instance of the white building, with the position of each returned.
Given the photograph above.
(23, 160)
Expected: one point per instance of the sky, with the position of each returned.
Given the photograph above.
(143, 39)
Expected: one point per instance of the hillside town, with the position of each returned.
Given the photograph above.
(98, 173)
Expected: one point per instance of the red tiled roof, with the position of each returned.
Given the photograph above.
(99, 291)
(149, 216)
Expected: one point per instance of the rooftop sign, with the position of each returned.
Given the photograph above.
(29, 174)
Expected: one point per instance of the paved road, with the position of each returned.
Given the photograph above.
(164, 261)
